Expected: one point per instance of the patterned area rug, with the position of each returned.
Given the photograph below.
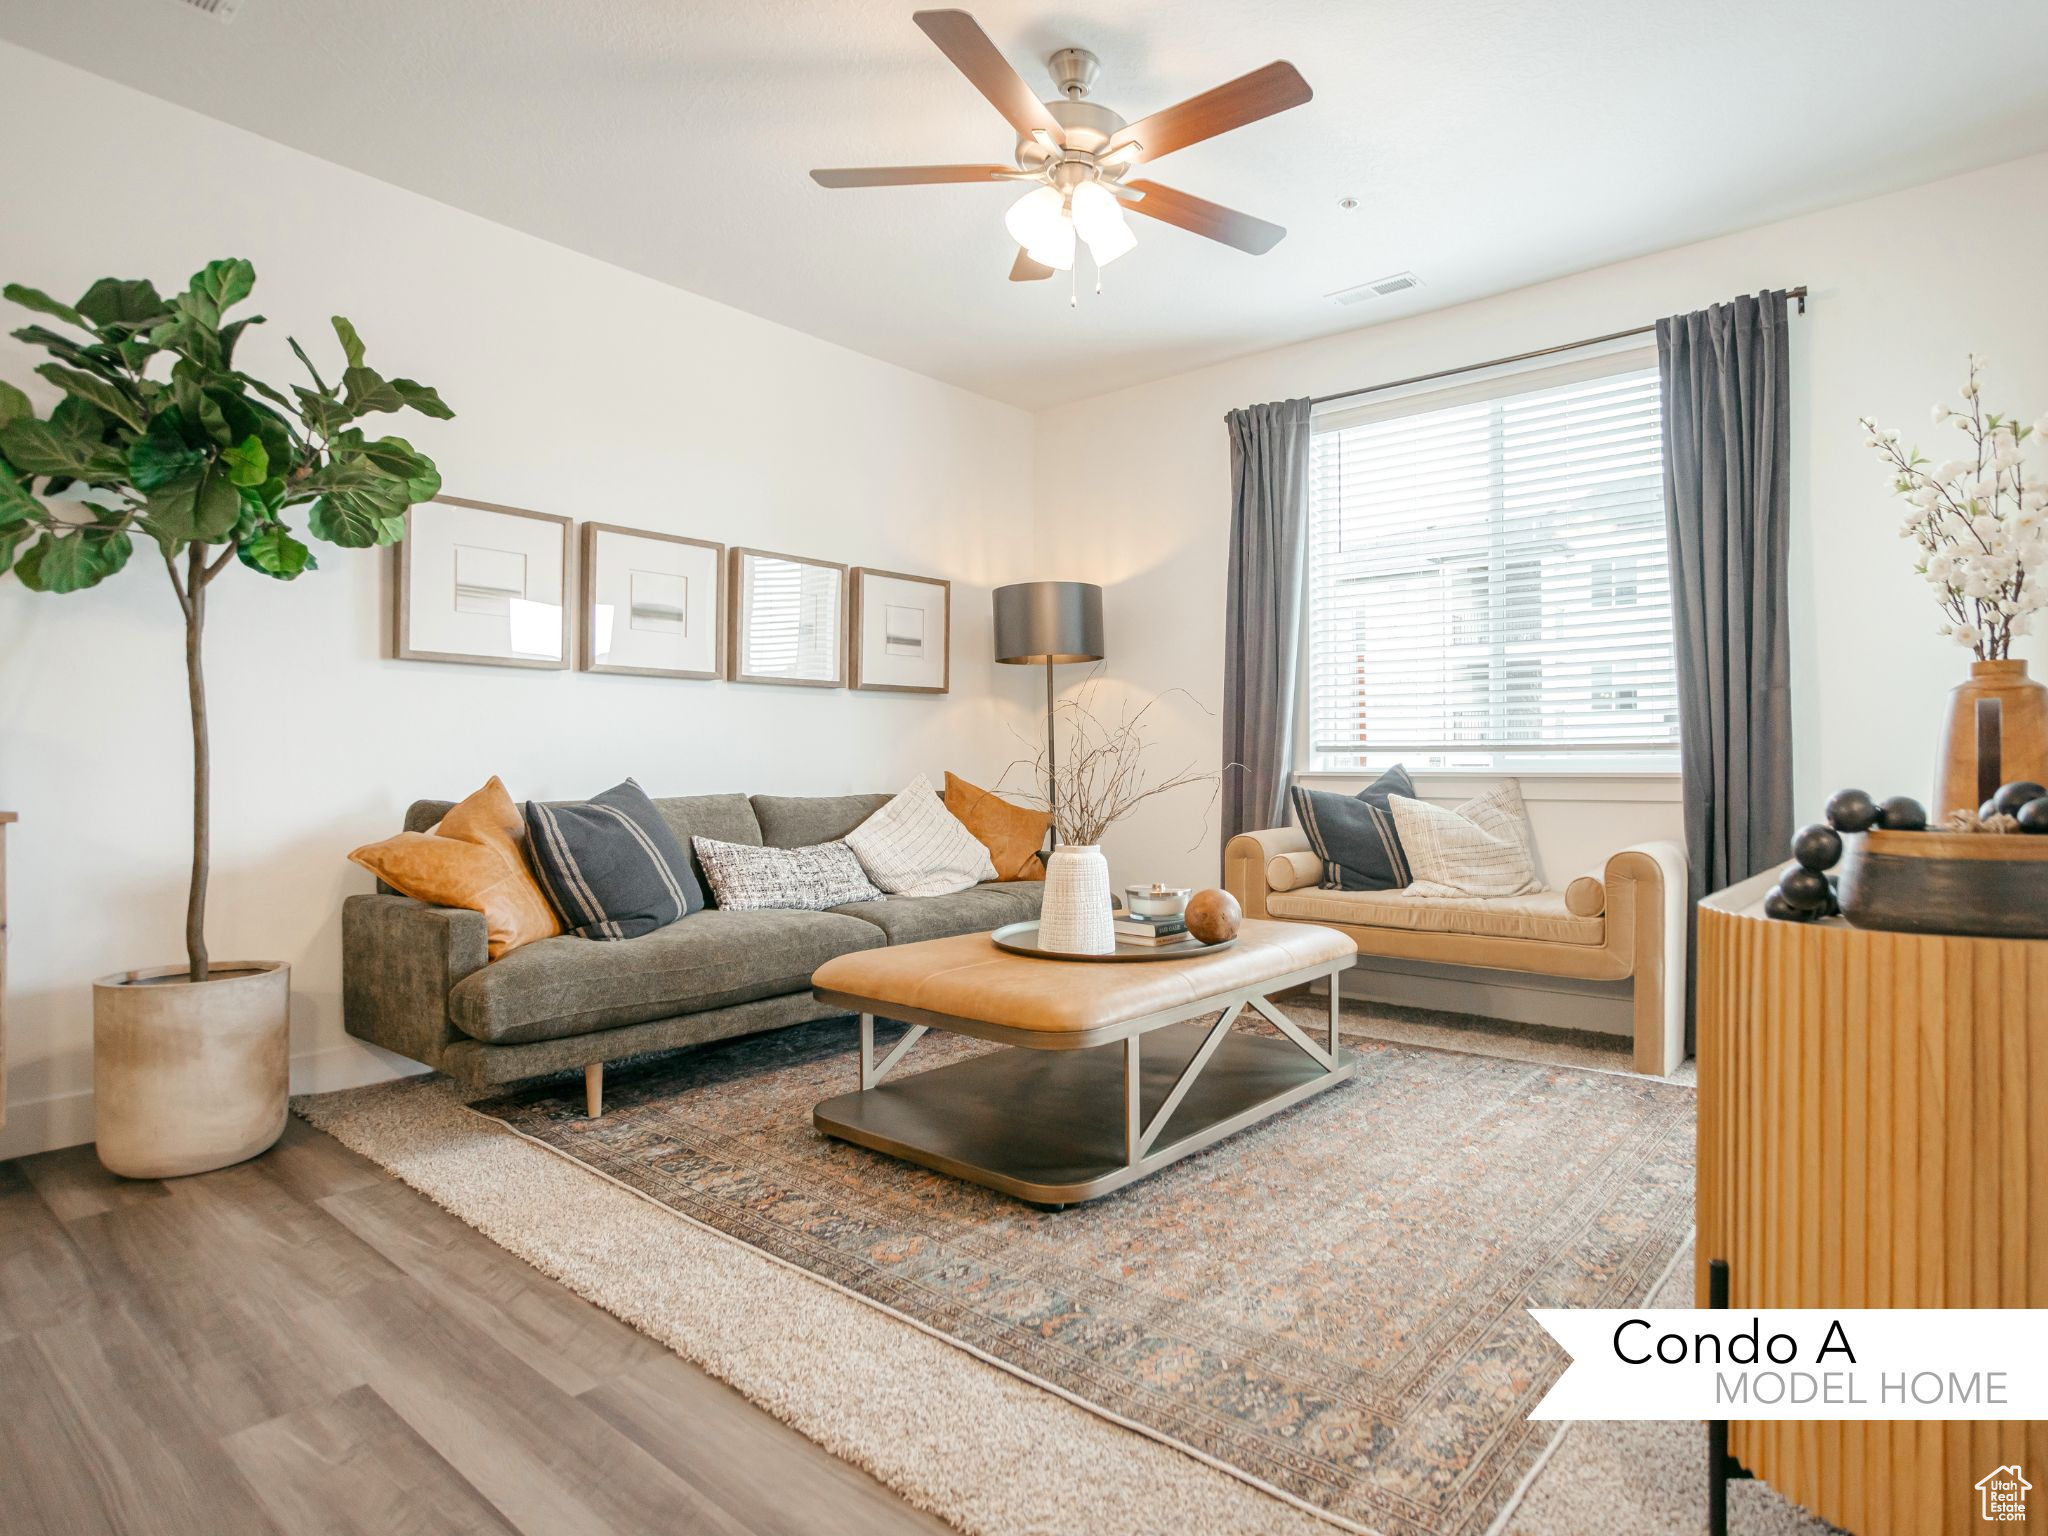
(1331, 1305)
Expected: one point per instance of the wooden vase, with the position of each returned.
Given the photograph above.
(2023, 733)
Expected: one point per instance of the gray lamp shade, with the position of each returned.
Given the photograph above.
(1049, 621)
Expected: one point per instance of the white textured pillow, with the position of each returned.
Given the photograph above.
(745, 877)
(1483, 848)
(914, 846)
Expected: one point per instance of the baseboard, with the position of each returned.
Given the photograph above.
(65, 1119)
(1605, 1007)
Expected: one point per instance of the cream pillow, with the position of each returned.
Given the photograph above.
(1483, 848)
(914, 846)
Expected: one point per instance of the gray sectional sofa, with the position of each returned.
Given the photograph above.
(416, 979)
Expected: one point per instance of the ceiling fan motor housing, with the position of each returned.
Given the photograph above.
(1087, 126)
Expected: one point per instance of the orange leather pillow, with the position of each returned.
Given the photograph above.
(475, 858)
(1013, 834)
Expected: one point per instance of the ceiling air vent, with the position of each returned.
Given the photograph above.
(1378, 288)
(220, 10)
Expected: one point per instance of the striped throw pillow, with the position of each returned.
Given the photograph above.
(914, 846)
(1483, 848)
(609, 866)
(1354, 835)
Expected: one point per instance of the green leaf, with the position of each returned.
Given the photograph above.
(71, 562)
(366, 390)
(17, 506)
(13, 403)
(223, 284)
(197, 507)
(300, 353)
(394, 458)
(422, 398)
(42, 303)
(351, 343)
(101, 393)
(358, 507)
(123, 302)
(161, 455)
(37, 448)
(92, 356)
(275, 552)
(248, 463)
(322, 412)
(230, 334)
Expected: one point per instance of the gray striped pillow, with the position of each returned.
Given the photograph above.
(609, 866)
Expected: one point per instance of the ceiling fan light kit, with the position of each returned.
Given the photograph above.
(1079, 152)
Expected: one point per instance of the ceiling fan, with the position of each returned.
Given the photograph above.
(1079, 153)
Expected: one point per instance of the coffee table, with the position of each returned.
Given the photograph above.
(1103, 1061)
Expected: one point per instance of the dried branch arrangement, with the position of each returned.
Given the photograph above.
(1097, 776)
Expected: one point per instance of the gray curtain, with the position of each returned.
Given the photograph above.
(1262, 610)
(1727, 491)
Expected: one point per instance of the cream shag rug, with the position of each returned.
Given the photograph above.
(938, 1424)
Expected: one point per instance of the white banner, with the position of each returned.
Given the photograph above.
(1798, 1364)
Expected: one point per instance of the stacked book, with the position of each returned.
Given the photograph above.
(1132, 928)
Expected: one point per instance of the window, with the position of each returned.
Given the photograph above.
(1488, 581)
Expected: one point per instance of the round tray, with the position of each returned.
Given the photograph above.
(1022, 939)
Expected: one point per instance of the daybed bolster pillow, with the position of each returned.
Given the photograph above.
(1292, 871)
(1586, 896)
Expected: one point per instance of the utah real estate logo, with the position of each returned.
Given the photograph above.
(2004, 1493)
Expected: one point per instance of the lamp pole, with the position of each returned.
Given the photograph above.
(1052, 778)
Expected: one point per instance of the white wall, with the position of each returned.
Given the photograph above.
(1133, 487)
(582, 390)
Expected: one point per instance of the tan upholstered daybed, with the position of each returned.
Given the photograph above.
(1624, 923)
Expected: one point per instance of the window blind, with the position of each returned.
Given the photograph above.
(1489, 577)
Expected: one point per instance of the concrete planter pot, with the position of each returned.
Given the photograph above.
(189, 1076)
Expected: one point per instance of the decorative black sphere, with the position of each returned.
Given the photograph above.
(1775, 905)
(2011, 797)
(1834, 906)
(1818, 846)
(1805, 889)
(1851, 810)
(2034, 815)
(1902, 813)
(1987, 810)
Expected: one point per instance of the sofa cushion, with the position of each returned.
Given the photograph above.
(914, 846)
(1013, 834)
(1483, 848)
(812, 879)
(798, 821)
(1354, 835)
(907, 919)
(1539, 915)
(565, 986)
(474, 858)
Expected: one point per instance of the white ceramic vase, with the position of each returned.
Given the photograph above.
(1075, 917)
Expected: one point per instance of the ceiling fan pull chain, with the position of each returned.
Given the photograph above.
(1074, 285)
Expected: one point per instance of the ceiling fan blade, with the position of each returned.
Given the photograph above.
(908, 175)
(961, 39)
(1244, 100)
(1025, 270)
(1203, 217)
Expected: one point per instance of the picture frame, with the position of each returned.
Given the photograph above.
(902, 632)
(786, 618)
(482, 584)
(653, 604)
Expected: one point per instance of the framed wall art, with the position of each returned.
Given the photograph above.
(652, 603)
(483, 584)
(786, 620)
(902, 632)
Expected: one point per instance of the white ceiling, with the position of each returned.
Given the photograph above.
(1489, 143)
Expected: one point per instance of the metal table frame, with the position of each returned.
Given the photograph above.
(1144, 1152)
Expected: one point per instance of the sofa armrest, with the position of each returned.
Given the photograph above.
(1245, 858)
(1646, 897)
(400, 958)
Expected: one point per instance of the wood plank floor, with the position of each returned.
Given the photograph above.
(303, 1345)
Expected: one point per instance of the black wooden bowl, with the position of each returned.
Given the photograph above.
(1979, 883)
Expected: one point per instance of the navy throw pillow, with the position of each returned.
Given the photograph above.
(1354, 835)
(609, 866)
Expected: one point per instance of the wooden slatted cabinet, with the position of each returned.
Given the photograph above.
(1872, 1134)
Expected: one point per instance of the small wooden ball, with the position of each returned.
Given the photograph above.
(2033, 816)
(1818, 846)
(2020, 792)
(1805, 889)
(1902, 813)
(1851, 810)
(1775, 905)
(1214, 916)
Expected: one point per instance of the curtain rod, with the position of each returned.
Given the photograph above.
(1798, 293)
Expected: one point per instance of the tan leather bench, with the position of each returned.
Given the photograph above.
(1625, 922)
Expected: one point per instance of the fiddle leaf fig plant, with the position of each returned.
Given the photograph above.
(160, 439)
